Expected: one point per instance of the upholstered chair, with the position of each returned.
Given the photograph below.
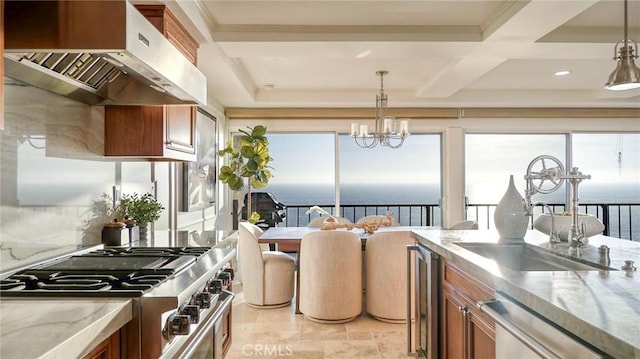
(331, 276)
(267, 276)
(376, 219)
(256, 232)
(386, 275)
(318, 221)
(465, 225)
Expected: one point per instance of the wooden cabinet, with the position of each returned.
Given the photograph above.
(168, 25)
(466, 331)
(155, 132)
(108, 349)
(152, 132)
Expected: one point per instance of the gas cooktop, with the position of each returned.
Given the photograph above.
(109, 272)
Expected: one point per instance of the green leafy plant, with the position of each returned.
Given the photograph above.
(143, 208)
(250, 164)
(255, 218)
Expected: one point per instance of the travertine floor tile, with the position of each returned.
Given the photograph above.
(351, 349)
(280, 333)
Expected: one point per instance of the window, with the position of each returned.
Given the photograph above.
(491, 158)
(613, 192)
(303, 173)
(404, 180)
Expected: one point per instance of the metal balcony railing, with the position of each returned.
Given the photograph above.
(621, 220)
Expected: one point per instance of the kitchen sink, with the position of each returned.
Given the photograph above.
(525, 257)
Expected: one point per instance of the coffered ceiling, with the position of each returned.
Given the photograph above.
(452, 53)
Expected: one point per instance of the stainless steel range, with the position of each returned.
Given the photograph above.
(181, 295)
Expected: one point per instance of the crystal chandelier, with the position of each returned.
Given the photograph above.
(388, 131)
(626, 76)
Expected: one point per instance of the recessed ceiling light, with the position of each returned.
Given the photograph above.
(364, 54)
(269, 87)
(562, 72)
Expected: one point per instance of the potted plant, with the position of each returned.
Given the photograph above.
(250, 164)
(142, 208)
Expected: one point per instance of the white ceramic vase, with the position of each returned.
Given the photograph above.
(509, 217)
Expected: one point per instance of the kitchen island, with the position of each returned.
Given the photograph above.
(602, 307)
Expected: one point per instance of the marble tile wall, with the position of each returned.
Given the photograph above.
(54, 175)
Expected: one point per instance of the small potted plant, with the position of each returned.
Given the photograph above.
(144, 209)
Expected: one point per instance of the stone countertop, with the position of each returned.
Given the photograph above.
(69, 327)
(600, 306)
(54, 328)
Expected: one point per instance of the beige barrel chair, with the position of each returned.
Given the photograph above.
(386, 276)
(267, 276)
(330, 276)
(465, 225)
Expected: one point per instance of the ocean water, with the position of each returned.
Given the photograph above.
(624, 194)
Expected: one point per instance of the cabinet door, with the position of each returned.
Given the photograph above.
(467, 332)
(108, 349)
(453, 325)
(481, 339)
(181, 126)
(153, 132)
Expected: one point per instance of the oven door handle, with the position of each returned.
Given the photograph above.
(215, 318)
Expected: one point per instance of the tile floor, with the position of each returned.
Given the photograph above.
(280, 333)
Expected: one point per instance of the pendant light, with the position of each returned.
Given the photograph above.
(626, 76)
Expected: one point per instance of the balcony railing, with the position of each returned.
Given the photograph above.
(621, 220)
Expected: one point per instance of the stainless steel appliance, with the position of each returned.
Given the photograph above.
(97, 52)
(423, 269)
(179, 294)
(521, 333)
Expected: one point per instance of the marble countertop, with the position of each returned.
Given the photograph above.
(70, 327)
(54, 328)
(600, 306)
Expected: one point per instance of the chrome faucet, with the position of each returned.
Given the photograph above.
(556, 176)
(554, 237)
(576, 236)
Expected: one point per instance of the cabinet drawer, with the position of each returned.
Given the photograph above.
(463, 282)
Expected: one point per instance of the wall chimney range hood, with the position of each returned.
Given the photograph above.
(97, 52)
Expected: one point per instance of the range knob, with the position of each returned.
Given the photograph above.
(177, 324)
(192, 311)
(230, 271)
(215, 286)
(225, 277)
(202, 300)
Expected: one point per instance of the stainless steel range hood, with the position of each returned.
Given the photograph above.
(97, 52)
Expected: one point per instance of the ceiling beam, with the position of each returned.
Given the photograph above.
(428, 113)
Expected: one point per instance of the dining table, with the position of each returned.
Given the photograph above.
(288, 239)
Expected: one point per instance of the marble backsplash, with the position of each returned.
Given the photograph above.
(53, 176)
